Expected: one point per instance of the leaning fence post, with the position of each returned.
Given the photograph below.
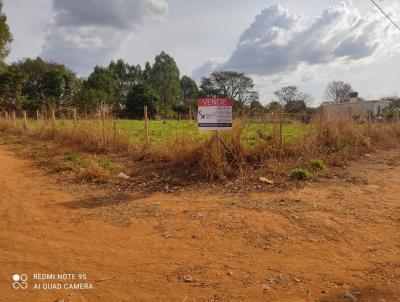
(25, 125)
(146, 125)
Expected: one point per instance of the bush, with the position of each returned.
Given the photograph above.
(141, 95)
(300, 174)
(318, 164)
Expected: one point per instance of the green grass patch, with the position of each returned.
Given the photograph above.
(106, 165)
(318, 165)
(75, 158)
(300, 174)
(166, 131)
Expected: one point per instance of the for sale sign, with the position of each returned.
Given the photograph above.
(214, 114)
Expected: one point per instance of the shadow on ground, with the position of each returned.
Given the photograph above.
(367, 294)
(100, 201)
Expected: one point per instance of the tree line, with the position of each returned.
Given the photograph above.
(124, 89)
(33, 84)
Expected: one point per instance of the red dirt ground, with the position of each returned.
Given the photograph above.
(333, 240)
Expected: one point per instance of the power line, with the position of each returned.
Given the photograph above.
(386, 15)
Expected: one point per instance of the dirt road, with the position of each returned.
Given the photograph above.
(333, 240)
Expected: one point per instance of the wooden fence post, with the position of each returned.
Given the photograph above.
(115, 127)
(74, 114)
(281, 128)
(146, 125)
(37, 117)
(190, 113)
(385, 117)
(14, 118)
(6, 118)
(53, 120)
(25, 125)
(103, 118)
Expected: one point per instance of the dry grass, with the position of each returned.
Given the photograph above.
(92, 172)
(88, 136)
(334, 142)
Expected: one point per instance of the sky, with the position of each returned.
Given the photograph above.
(278, 43)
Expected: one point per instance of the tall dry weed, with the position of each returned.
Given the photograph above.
(335, 142)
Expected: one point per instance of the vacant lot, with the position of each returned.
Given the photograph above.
(335, 239)
(163, 131)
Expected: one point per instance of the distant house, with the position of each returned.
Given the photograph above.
(356, 109)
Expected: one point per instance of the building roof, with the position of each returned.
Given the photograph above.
(357, 102)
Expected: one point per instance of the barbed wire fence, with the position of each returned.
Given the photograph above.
(274, 122)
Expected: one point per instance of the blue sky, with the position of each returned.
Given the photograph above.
(303, 43)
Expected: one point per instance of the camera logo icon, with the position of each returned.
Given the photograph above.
(20, 281)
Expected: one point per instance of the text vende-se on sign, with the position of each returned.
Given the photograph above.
(214, 114)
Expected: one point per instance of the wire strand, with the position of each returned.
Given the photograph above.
(386, 15)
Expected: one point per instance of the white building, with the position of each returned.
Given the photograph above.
(357, 109)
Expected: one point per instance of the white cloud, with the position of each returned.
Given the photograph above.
(207, 67)
(279, 42)
(90, 32)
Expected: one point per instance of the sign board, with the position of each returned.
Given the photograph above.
(214, 114)
(353, 95)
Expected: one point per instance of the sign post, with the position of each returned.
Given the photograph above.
(215, 114)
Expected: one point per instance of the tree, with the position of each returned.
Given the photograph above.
(12, 81)
(230, 84)
(147, 73)
(296, 106)
(165, 80)
(287, 94)
(274, 106)
(58, 88)
(395, 101)
(135, 75)
(299, 103)
(394, 108)
(119, 71)
(256, 108)
(100, 90)
(44, 83)
(5, 37)
(190, 91)
(292, 100)
(141, 95)
(338, 92)
(34, 70)
(125, 76)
